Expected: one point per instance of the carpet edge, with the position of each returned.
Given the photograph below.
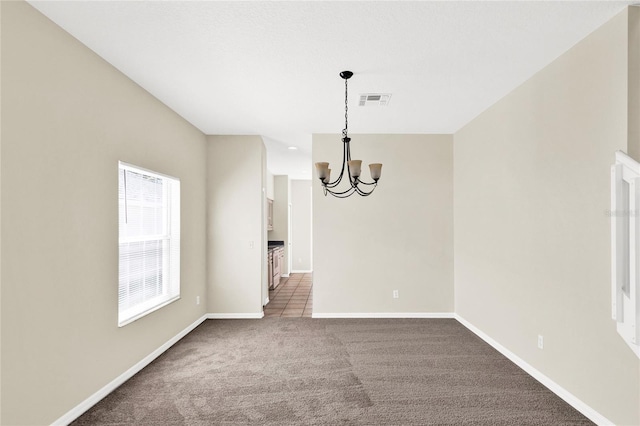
(449, 315)
(250, 315)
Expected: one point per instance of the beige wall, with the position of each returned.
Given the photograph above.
(301, 240)
(235, 224)
(270, 185)
(532, 241)
(68, 117)
(0, 218)
(399, 238)
(633, 103)
(633, 80)
(265, 183)
(281, 200)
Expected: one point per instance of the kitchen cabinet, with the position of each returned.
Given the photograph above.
(269, 214)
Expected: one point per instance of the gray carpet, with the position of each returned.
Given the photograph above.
(301, 371)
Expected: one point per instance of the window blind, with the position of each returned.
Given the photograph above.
(149, 242)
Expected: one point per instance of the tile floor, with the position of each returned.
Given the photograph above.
(292, 298)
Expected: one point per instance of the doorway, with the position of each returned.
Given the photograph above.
(292, 298)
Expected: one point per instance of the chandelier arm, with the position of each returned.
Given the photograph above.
(350, 189)
(343, 194)
(345, 155)
(364, 193)
(353, 182)
(348, 158)
(336, 182)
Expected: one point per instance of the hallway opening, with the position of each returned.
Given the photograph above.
(292, 298)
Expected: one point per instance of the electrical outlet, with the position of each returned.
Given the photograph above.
(250, 244)
(197, 300)
(396, 294)
(540, 342)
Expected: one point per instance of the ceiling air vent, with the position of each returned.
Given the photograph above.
(375, 99)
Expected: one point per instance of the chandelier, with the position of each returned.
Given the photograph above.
(353, 167)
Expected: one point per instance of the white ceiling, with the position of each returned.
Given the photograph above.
(271, 68)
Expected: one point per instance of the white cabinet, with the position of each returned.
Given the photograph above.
(269, 214)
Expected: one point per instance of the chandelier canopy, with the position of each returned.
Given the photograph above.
(353, 167)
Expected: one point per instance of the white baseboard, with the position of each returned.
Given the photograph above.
(77, 411)
(567, 396)
(383, 315)
(250, 315)
(285, 275)
(266, 302)
(301, 271)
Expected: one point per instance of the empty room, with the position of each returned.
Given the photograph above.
(319, 212)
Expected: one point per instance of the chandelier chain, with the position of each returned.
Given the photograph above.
(346, 110)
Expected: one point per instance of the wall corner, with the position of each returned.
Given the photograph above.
(633, 82)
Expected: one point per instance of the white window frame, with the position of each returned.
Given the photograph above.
(625, 249)
(170, 243)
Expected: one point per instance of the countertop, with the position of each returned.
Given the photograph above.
(275, 244)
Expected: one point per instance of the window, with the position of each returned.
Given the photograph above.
(625, 244)
(149, 242)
